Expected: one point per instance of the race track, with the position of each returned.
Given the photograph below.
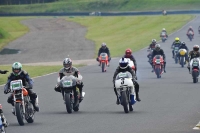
(169, 105)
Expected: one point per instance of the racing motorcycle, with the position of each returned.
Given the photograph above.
(125, 90)
(175, 53)
(190, 35)
(158, 65)
(194, 69)
(163, 36)
(23, 106)
(103, 61)
(182, 54)
(2, 128)
(67, 85)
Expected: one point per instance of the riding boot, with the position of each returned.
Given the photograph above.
(137, 91)
(117, 102)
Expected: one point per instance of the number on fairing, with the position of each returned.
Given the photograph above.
(195, 64)
(67, 83)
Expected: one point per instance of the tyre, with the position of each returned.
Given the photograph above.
(157, 71)
(30, 113)
(195, 75)
(19, 113)
(176, 59)
(103, 66)
(124, 101)
(68, 103)
(182, 62)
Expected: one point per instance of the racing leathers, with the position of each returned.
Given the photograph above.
(175, 44)
(158, 52)
(190, 30)
(129, 69)
(66, 72)
(104, 50)
(165, 33)
(186, 55)
(27, 82)
(134, 61)
(192, 54)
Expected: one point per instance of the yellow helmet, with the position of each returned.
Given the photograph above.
(176, 39)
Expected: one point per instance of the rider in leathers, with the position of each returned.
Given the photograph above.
(128, 54)
(67, 70)
(104, 49)
(123, 67)
(17, 74)
(176, 43)
(158, 51)
(183, 46)
(193, 54)
(153, 44)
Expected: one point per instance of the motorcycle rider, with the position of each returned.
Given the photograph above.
(104, 49)
(3, 118)
(123, 67)
(18, 73)
(163, 30)
(176, 43)
(158, 51)
(67, 70)
(190, 29)
(183, 46)
(193, 54)
(153, 43)
(128, 54)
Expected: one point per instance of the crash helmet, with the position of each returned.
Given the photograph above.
(196, 48)
(128, 52)
(123, 63)
(67, 63)
(16, 68)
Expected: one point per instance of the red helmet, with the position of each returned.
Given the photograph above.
(128, 52)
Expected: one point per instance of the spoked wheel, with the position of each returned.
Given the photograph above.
(19, 113)
(30, 113)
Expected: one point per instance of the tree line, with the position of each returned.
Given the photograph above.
(19, 2)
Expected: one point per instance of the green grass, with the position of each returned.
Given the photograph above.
(33, 71)
(10, 29)
(103, 5)
(133, 32)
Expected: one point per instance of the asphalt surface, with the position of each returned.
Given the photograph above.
(169, 105)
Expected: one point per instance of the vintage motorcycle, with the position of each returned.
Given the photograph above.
(125, 90)
(194, 69)
(103, 61)
(23, 106)
(68, 88)
(163, 36)
(182, 54)
(190, 35)
(175, 53)
(158, 65)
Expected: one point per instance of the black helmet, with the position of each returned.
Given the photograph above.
(183, 43)
(196, 48)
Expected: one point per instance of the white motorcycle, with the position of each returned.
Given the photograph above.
(125, 90)
(68, 83)
(194, 69)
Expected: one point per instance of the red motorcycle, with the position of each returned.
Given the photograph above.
(103, 60)
(158, 65)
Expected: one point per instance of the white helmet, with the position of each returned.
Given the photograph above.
(103, 44)
(123, 63)
(157, 47)
(67, 63)
(163, 29)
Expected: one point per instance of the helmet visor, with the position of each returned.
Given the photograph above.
(123, 65)
(67, 65)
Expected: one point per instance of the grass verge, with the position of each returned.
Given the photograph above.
(135, 32)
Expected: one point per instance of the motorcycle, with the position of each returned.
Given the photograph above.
(158, 65)
(175, 54)
(67, 84)
(182, 53)
(194, 69)
(23, 106)
(163, 36)
(190, 35)
(103, 60)
(2, 128)
(125, 90)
